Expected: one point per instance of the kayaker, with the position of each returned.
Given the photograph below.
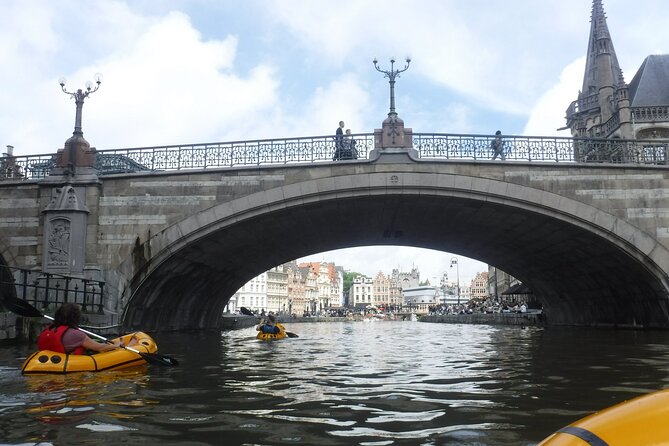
(63, 336)
(269, 325)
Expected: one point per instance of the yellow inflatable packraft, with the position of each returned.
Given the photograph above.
(271, 336)
(640, 421)
(47, 361)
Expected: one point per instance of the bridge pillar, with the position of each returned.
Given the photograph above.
(66, 214)
(393, 134)
(65, 221)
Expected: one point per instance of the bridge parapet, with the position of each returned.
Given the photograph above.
(318, 149)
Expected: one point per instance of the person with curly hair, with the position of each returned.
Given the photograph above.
(63, 334)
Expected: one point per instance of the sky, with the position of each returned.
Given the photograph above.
(193, 71)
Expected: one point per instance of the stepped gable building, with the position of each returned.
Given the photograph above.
(608, 107)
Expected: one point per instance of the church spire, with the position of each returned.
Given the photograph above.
(601, 68)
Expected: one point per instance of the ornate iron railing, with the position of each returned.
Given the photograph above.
(244, 153)
(542, 149)
(47, 291)
(477, 147)
(323, 148)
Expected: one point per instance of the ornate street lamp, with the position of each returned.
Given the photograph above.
(392, 133)
(454, 261)
(79, 97)
(391, 75)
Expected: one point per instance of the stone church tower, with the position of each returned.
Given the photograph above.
(608, 107)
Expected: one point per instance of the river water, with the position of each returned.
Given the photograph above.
(340, 383)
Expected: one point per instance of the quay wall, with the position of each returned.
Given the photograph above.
(520, 319)
(8, 328)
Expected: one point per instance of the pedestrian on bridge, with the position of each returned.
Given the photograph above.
(350, 152)
(339, 141)
(497, 146)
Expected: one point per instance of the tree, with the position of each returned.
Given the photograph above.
(348, 279)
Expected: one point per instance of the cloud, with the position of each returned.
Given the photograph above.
(479, 52)
(325, 108)
(548, 114)
(164, 83)
(172, 86)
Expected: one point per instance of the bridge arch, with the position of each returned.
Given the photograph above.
(584, 264)
(5, 273)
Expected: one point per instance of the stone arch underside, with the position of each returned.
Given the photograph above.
(583, 273)
(7, 290)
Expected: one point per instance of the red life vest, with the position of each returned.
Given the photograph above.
(52, 339)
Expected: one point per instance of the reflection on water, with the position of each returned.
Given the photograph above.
(69, 399)
(386, 383)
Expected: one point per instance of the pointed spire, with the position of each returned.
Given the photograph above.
(600, 71)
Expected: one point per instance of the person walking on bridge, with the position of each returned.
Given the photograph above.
(350, 152)
(339, 141)
(497, 146)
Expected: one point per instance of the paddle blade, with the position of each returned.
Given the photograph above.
(155, 358)
(21, 307)
(246, 311)
(291, 335)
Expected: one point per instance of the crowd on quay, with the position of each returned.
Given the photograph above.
(332, 312)
(488, 306)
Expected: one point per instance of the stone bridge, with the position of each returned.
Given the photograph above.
(590, 240)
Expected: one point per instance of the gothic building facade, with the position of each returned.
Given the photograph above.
(607, 106)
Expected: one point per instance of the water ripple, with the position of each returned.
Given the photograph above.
(398, 383)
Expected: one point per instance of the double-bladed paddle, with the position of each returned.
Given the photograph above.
(248, 312)
(23, 308)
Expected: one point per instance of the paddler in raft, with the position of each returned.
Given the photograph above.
(269, 325)
(63, 335)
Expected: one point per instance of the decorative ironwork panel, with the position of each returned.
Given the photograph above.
(653, 154)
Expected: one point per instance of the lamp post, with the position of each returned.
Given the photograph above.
(454, 261)
(79, 97)
(391, 75)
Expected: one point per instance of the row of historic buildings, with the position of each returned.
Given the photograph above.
(316, 287)
(293, 288)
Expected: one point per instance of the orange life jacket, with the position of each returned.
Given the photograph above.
(51, 338)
